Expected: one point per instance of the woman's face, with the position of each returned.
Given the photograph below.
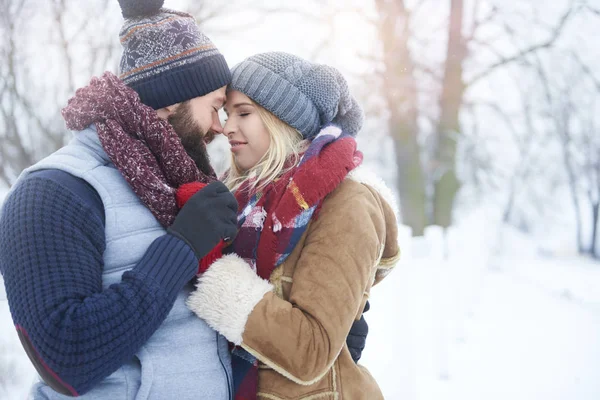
(247, 134)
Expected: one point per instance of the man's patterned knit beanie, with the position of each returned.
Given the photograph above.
(305, 95)
(166, 59)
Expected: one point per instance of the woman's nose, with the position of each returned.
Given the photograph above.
(227, 129)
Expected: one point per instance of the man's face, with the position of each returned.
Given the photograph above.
(196, 121)
(205, 112)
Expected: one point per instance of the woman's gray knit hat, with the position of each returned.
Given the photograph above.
(305, 95)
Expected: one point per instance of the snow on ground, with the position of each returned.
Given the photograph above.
(477, 325)
(486, 326)
(518, 341)
(16, 372)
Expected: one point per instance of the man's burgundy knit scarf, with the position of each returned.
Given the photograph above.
(143, 147)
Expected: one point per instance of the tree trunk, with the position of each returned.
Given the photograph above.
(411, 183)
(446, 184)
(573, 189)
(578, 224)
(402, 101)
(594, 250)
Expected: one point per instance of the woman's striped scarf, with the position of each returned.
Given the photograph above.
(272, 220)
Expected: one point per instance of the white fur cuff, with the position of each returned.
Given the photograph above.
(226, 294)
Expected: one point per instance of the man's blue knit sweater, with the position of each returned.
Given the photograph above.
(51, 256)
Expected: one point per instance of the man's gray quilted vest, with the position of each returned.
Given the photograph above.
(184, 358)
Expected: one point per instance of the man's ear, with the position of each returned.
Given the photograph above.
(166, 112)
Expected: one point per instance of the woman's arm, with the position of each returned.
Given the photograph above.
(302, 337)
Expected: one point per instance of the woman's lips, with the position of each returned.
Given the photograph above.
(236, 145)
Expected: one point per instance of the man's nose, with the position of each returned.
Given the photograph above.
(216, 126)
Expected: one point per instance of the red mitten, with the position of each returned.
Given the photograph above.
(187, 190)
(214, 255)
(183, 194)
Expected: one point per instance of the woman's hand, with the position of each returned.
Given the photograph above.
(226, 294)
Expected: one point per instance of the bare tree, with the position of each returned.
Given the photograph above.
(401, 96)
(15, 108)
(461, 47)
(590, 145)
(571, 109)
(424, 98)
(45, 60)
(427, 178)
(50, 49)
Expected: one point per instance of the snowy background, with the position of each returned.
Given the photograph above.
(502, 304)
(483, 324)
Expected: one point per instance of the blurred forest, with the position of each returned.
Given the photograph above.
(469, 102)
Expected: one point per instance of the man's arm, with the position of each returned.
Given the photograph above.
(51, 246)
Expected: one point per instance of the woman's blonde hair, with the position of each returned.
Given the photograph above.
(286, 144)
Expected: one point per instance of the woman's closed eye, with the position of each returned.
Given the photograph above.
(245, 114)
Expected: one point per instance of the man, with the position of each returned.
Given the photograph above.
(95, 284)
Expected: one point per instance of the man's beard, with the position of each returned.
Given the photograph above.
(192, 137)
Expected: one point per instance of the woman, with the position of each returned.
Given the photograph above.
(311, 243)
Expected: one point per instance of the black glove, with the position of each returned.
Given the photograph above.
(206, 218)
(357, 338)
